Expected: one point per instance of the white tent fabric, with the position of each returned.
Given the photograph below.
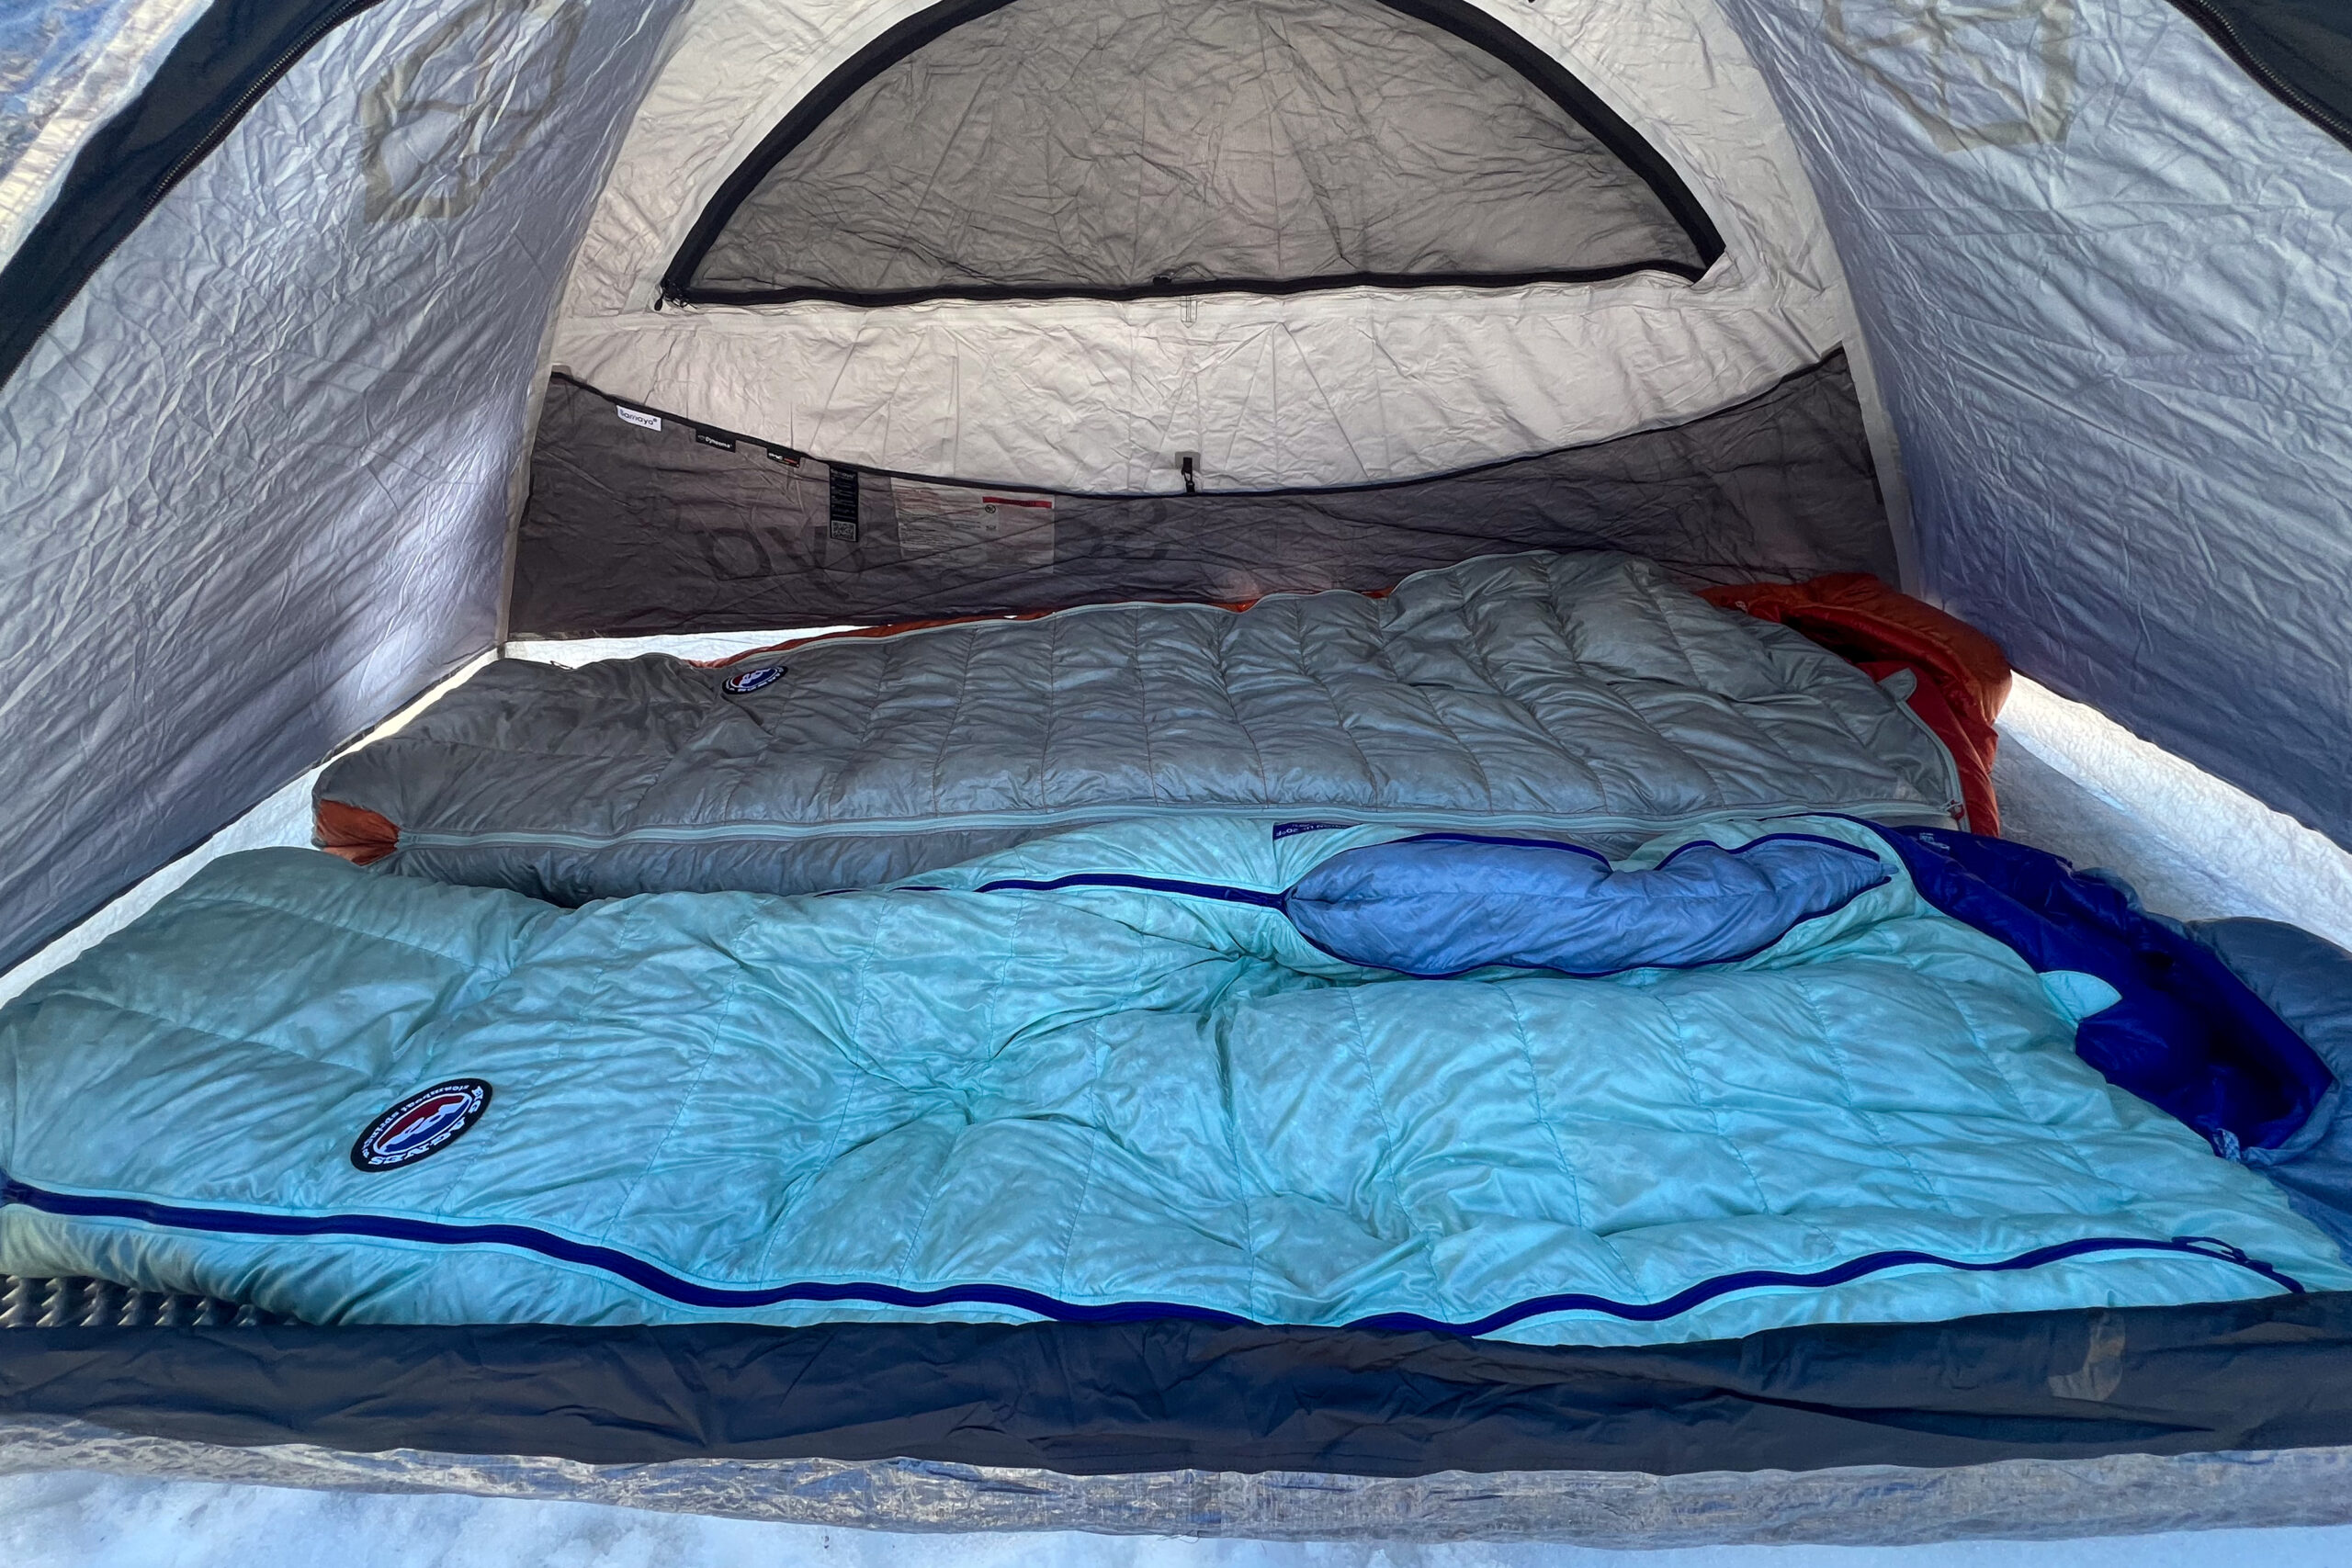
(1326, 389)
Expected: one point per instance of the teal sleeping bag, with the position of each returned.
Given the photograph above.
(1107, 1075)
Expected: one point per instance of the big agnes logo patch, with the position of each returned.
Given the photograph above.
(425, 1122)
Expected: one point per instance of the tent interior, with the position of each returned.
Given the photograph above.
(1110, 738)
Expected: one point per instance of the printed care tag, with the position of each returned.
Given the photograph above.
(973, 527)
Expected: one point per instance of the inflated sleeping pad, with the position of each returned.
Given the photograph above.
(1584, 693)
(1053, 1400)
(1159, 1069)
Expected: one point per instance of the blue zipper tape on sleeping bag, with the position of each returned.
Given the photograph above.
(660, 1281)
(1124, 879)
(1390, 906)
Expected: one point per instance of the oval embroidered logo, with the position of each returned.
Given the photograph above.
(753, 680)
(425, 1122)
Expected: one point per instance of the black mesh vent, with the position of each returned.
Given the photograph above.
(1127, 147)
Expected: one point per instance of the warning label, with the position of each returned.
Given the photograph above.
(972, 527)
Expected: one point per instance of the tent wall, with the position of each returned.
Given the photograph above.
(254, 482)
(634, 530)
(2107, 279)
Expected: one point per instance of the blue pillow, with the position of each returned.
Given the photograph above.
(1444, 903)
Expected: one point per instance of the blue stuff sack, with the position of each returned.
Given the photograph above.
(1441, 904)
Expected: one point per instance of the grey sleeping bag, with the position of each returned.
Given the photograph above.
(1582, 692)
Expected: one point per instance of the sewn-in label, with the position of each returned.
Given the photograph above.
(639, 418)
(841, 498)
(977, 526)
(717, 438)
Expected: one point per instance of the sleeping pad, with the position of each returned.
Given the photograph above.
(1166, 1067)
(1579, 690)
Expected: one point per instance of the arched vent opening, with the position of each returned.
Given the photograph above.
(1127, 148)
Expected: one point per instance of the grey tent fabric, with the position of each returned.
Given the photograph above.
(634, 530)
(2106, 278)
(1080, 144)
(244, 511)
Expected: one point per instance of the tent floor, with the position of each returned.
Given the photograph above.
(68, 1519)
(2117, 1495)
